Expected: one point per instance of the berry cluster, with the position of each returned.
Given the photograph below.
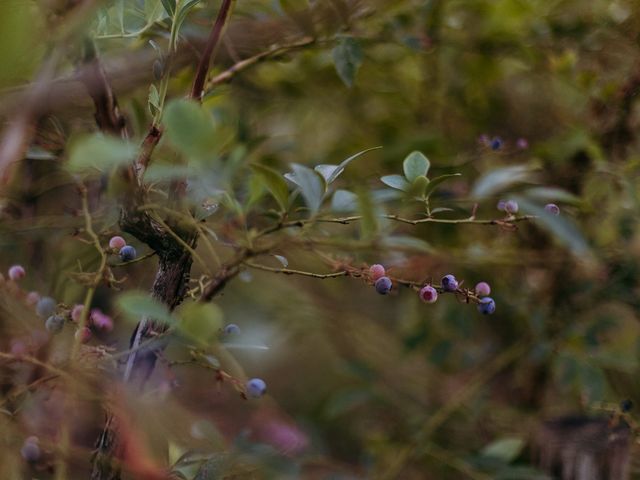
(429, 293)
(126, 252)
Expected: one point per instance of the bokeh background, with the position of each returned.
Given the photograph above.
(360, 385)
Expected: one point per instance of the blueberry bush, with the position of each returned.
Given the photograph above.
(319, 239)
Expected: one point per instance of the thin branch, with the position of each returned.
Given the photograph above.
(288, 271)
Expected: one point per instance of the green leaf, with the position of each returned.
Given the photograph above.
(200, 322)
(100, 152)
(505, 449)
(419, 186)
(344, 201)
(415, 165)
(274, 182)
(190, 128)
(551, 194)
(136, 305)
(184, 10)
(326, 170)
(396, 181)
(369, 222)
(347, 58)
(346, 162)
(407, 242)
(312, 185)
(154, 99)
(437, 181)
(169, 6)
(560, 226)
(500, 179)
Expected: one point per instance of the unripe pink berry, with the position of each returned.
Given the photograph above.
(101, 321)
(377, 271)
(483, 289)
(76, 312)
(16, 273)
(117, 242)
(428, 294)
(32, 298)
(83, 335)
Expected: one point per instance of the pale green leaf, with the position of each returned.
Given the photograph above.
(415, 165)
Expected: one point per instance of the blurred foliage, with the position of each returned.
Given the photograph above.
(360, 385)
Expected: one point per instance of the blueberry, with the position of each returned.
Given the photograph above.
(117, 242)
(383, 285)
(511, 206)
(30, 450)
(626, 405)
(377, 271)
(232, 329)
(45, 307)
(428, 294)
(127, 253)
(449, 283)
(54, 323)
(487, 306)
(496, 143)
(552, 208)
(483, 289)
(256, 388)
(16, 272)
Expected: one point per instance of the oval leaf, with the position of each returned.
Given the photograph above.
(396, 181)
(415, 165)
(274, 182)
(312, 185)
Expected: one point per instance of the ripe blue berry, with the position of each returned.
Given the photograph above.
(449, 283)
(45, 307)
(256, 388)
(552, 208)
(377, 271)
(30, 450)
(483, 289)
(54, 323)
(232, 329)
(487, 306)
(127, 253)
(383, 285)
(428, 294)
(496, 143)
(626, 405)
(511, 206)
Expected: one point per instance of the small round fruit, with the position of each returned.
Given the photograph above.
(428, 294)
(496, 143)
(54, 323)
(232, 329)
(127, 253)
(377, 271)
(46, 307)
(30, 450)
(522, 143)
(117, 242)
(383, 285)
(83, 335)
(483, 289)
(256, 388)
(552, 208)
(511, 206)
(449, 283)
(626, 405)
(486, 306)
(500, 205)
(32, 298)
(100, 321)
(76, 312)
(17, 272)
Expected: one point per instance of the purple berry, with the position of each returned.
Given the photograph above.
(17, 273)
(383, 285)
(428, 294)
(30, 450)
(552, 208)
(127, 253)
(256, 388)
(511, 206)
(100, 321)
(483, 289)
(32, 298)
(377, 271)
(46, 307)
(501, 205)
(522, 143)
(449, 283)
(232, 329)
(487, 306)
(76, 312)
(83, 335)
(54, 323)
(496, 143)
(117, 242)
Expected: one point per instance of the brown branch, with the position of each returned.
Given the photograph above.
(210, 49)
